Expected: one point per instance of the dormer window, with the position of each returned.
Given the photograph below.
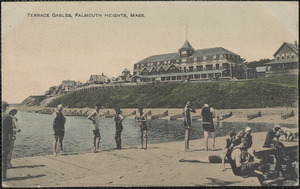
(183, 52)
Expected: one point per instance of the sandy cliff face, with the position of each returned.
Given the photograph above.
(37, 101)
(28, 101)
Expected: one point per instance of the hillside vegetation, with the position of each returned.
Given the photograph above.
(258, 93)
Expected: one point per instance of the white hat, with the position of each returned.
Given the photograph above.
(247, 129)
(59, 106)
(277, 126)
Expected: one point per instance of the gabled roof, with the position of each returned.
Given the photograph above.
(291, 46)
(197, 53)
(151, 69)
(172, 65)
(186, 46)
(144, 69)
(98, 77)
(161, 67)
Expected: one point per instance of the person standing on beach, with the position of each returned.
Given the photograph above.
(7, 132)
(16, 129)
(95, 118)
(208, 125)
(59, 129)
(119, 127)
(142, 120)
(187, 122)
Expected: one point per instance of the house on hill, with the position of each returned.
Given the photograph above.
(186, 64)
(98, 79)
(285, 61)
(124, 78)
(70, 85)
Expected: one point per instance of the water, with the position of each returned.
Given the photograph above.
(36, 136)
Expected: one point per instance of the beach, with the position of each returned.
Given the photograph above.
(157, 166)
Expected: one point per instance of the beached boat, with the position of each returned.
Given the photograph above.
(160, 115)
(253, 116)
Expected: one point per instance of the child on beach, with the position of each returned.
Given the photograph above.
(119, 127)
(59, 129)
(16, 129)
(142, 120)
(95, 118)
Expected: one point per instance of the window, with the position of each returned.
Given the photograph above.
(277, 57)
(163, 78)
(168, 78)
(184, 69)
(191, 68)
(197, 76)
(203, 75)
(199, 68)
(173, 77)
(190, 60)
(292, 56)
(217, 57)
(283, 57)
(135, 66)
(178, 77)
(287, 56)
(199, 59)
(209, 58)
(191, 76)
(217, 66)
(209, 67)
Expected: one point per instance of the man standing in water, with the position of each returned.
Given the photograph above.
(59, 129)
(95, 118)
(119, 127)
(142, 120)
(187, 122)
(7, 131)
(208, 125)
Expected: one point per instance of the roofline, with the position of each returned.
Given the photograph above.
(194, 50)
(285, 43)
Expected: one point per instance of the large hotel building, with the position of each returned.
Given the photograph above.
(187, 64)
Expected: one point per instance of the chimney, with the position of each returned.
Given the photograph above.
(102, 73)
(296, 44)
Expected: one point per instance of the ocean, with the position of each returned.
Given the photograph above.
(36, 136)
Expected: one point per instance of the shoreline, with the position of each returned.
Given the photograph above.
(268, 115)
(157, 166)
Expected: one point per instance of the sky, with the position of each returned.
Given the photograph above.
(40, 52)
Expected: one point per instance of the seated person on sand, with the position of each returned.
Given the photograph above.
(270, 142)
(232, 141)
(241, 162)
(286, 135)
